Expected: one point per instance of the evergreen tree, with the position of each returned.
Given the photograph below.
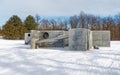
(17, 25)
(10, 31)
(22, 31)
(30, 23)
(15, 20)
(0, 31)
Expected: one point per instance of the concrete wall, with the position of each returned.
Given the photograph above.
(101, 38)
(27, 38)
(35, 34)
(34, 38)
(79, 39)
(66, 41)
(38, 36)
(90, 37)
(52, 33)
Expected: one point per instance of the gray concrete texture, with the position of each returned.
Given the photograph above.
(34, 38)
(27, 38)
(34, 34)
(90, 37)
(80, 39)
(44, 38)
(101, 38)
(51, 34)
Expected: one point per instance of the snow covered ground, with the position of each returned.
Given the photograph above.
(18, 59)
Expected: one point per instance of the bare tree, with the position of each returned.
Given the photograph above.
(44, 24)
(74, 21)
(37, 18)
(63, 25)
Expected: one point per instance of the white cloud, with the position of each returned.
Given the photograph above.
(58, 7)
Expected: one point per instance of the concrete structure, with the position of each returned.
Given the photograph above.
(101, 38)
(48, 38)
(80, 39)
(76, 39)
(90, 37)
(27, 38)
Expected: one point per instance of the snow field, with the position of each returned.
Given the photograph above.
(18, 59)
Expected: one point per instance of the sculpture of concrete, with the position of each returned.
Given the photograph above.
(48, 39)
(75, 39)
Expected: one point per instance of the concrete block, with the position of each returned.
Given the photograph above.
(44, 38)
(96, 36)
(101, 38)
(90, 41)
(79, 39)
(27, 38)
(33, 43)
(97, 43)
(35, 34)
(106, 44)
(106, 36)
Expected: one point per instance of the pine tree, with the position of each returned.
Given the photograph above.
(22, 30)
(18, 28)
(0, 31)
(30, 23)
(15, 20)
(10, 31)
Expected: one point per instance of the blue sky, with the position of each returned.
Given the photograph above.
(22, 8)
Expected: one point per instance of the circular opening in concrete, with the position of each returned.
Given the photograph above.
(29, 35)
(45, 35)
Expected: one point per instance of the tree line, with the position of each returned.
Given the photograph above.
(88, 21)
(14, 28)
(111, 23)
